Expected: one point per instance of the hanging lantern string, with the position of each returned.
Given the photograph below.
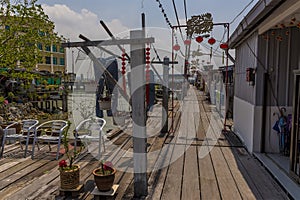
(176, 43)
(164, 14)
(216, 50)
(124, 69)
(176, 39)
(147, 73)
(224, 33)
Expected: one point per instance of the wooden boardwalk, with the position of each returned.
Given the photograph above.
(196, 161)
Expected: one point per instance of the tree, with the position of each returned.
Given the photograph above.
(24, 29)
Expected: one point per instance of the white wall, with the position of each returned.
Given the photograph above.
(243, 121)
(257, 125)
(248, 122)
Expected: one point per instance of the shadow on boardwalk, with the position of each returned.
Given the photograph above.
(196, 161)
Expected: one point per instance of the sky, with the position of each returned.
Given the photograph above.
(74, 17)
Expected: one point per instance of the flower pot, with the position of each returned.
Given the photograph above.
(104, 104)
(69, 179)
(104, 182)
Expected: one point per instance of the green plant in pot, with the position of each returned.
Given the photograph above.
(69, 172)
(104, 176)
(10, 96)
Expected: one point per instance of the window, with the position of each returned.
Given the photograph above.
(54, 60)
(40, 46)
(48, 48)
(61, 50)
(54, 48)
(48, 60)
(62, 61)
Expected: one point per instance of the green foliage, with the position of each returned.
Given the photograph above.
(24, 26)
(71, 154)
(1, 100)
(11, 95)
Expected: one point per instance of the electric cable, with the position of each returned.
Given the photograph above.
(185, 13)
(178, 23)
(241, 11)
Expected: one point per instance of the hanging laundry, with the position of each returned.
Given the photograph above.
(112, 67)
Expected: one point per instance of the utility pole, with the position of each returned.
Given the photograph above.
(165, 99)
(138, 115)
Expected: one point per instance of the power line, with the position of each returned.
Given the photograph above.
(185, 11)
(178, 23)
(157, 56)
(241, 11)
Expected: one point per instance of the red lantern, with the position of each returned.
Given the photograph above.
(199, 39)
(176, 47)
(224, 46)
(187, 42)
(211, 41)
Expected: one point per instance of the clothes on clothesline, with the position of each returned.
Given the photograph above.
(104, 84)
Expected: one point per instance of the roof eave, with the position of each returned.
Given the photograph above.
(250, 23)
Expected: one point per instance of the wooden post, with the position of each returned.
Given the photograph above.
(65, 99)
(165, 99)
(138, 115)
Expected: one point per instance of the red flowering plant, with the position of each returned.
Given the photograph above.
(71, 154)
(106, 168)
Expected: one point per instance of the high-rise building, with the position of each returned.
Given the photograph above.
(54, 58)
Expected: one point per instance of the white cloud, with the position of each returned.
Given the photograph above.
(70, 23)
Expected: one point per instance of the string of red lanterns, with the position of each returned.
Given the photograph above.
(211, 41)
(200, 39)
(176, 47)
(224, 46)
(124, 68)
(148, 73)
(187, 42)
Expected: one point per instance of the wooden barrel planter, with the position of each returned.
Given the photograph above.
(69, 179)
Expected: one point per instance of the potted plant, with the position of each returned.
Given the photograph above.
(69, 172)
(10, 96)
(104, 176)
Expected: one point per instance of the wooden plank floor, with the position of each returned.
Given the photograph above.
(193, 161)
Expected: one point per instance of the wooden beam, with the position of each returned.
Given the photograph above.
(113, 37)
(101, 48)
(108, 42)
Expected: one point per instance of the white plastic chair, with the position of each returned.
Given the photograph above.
(27, 132)
(91, 130)
(56, 129)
